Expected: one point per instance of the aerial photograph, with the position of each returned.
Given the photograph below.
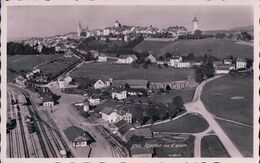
(127, 81)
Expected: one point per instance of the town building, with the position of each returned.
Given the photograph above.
(48, 101)
(113, 115)
(182, 84)
(117, 24)
(77, 136)
(240, 63)
(94, 100)
(126, 59)
(119, 93)
(175, 61)
(94, 53)
(64, 81)
(222, 70)
(151, 58)
(102, 58)
(228, 61)
(103, 82)
(184, 65)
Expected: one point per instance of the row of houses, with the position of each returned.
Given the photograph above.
(225, 66)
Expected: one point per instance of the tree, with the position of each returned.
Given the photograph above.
(199, 76)
(249, 63)
(161, 58)
(198, 34)
(220, 35)
(245, 36)
(172, 110)
(168, 55)
(178, 102)
(127, 86)
(162, 111)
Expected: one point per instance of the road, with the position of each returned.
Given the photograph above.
(197, 106)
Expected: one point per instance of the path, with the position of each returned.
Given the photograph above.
(197, 106)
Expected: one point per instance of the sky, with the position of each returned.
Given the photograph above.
(41, 21)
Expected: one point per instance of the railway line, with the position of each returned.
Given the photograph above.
(48, 137)
(116, 148)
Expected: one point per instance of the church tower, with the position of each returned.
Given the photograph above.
(117, 24)
(195, 24)
(79, 30)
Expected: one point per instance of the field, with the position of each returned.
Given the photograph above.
(56, 67)
(189, 123)
(26, 62)
(217, 47)
(241, 136)
(212, 147)
(219, 97)
(153, 73)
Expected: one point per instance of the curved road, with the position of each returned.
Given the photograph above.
(197, 106)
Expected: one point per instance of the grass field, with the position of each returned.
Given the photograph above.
(212, 147)
(153, 73)
(189, 123)
(241, 136)
(217, 47)
(26, 62)
(57, 66)
(217, 96)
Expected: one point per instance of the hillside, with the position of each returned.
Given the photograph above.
(217, 47)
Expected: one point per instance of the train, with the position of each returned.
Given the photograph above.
(11, 124)
(30, 124)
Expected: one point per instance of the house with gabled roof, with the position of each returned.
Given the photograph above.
(113, 115)
(151, 58)
(103, 82)
(77, 136)
(119, 93)
(126, 59)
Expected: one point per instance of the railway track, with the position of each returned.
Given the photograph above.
(45, 131)
(116, 148)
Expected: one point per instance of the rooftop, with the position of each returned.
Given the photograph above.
(74, 132)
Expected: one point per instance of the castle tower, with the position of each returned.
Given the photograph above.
(117, 24)
(195, 24)
(79, 30)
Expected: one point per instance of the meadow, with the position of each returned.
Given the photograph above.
(218, 97)
(220, 48)
(188, 123)
(211, 146)
(116, 71)
(27, 62)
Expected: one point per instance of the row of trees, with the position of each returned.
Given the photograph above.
(14, 48)
(158, 111)
(206, 70)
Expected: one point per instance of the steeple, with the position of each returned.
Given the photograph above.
(79, 29)
(195, 19)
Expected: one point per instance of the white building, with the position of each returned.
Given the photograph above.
(126, 59)
(119, 93)
(48, 101)
(151, 58)
(103, 82)
(113, 115)
(64, 81)
(227, 61)
(20, 80)
(240, 63)
(102, 58)
(184, 65)
(94, 100)
(222, 70)
(174, 61)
